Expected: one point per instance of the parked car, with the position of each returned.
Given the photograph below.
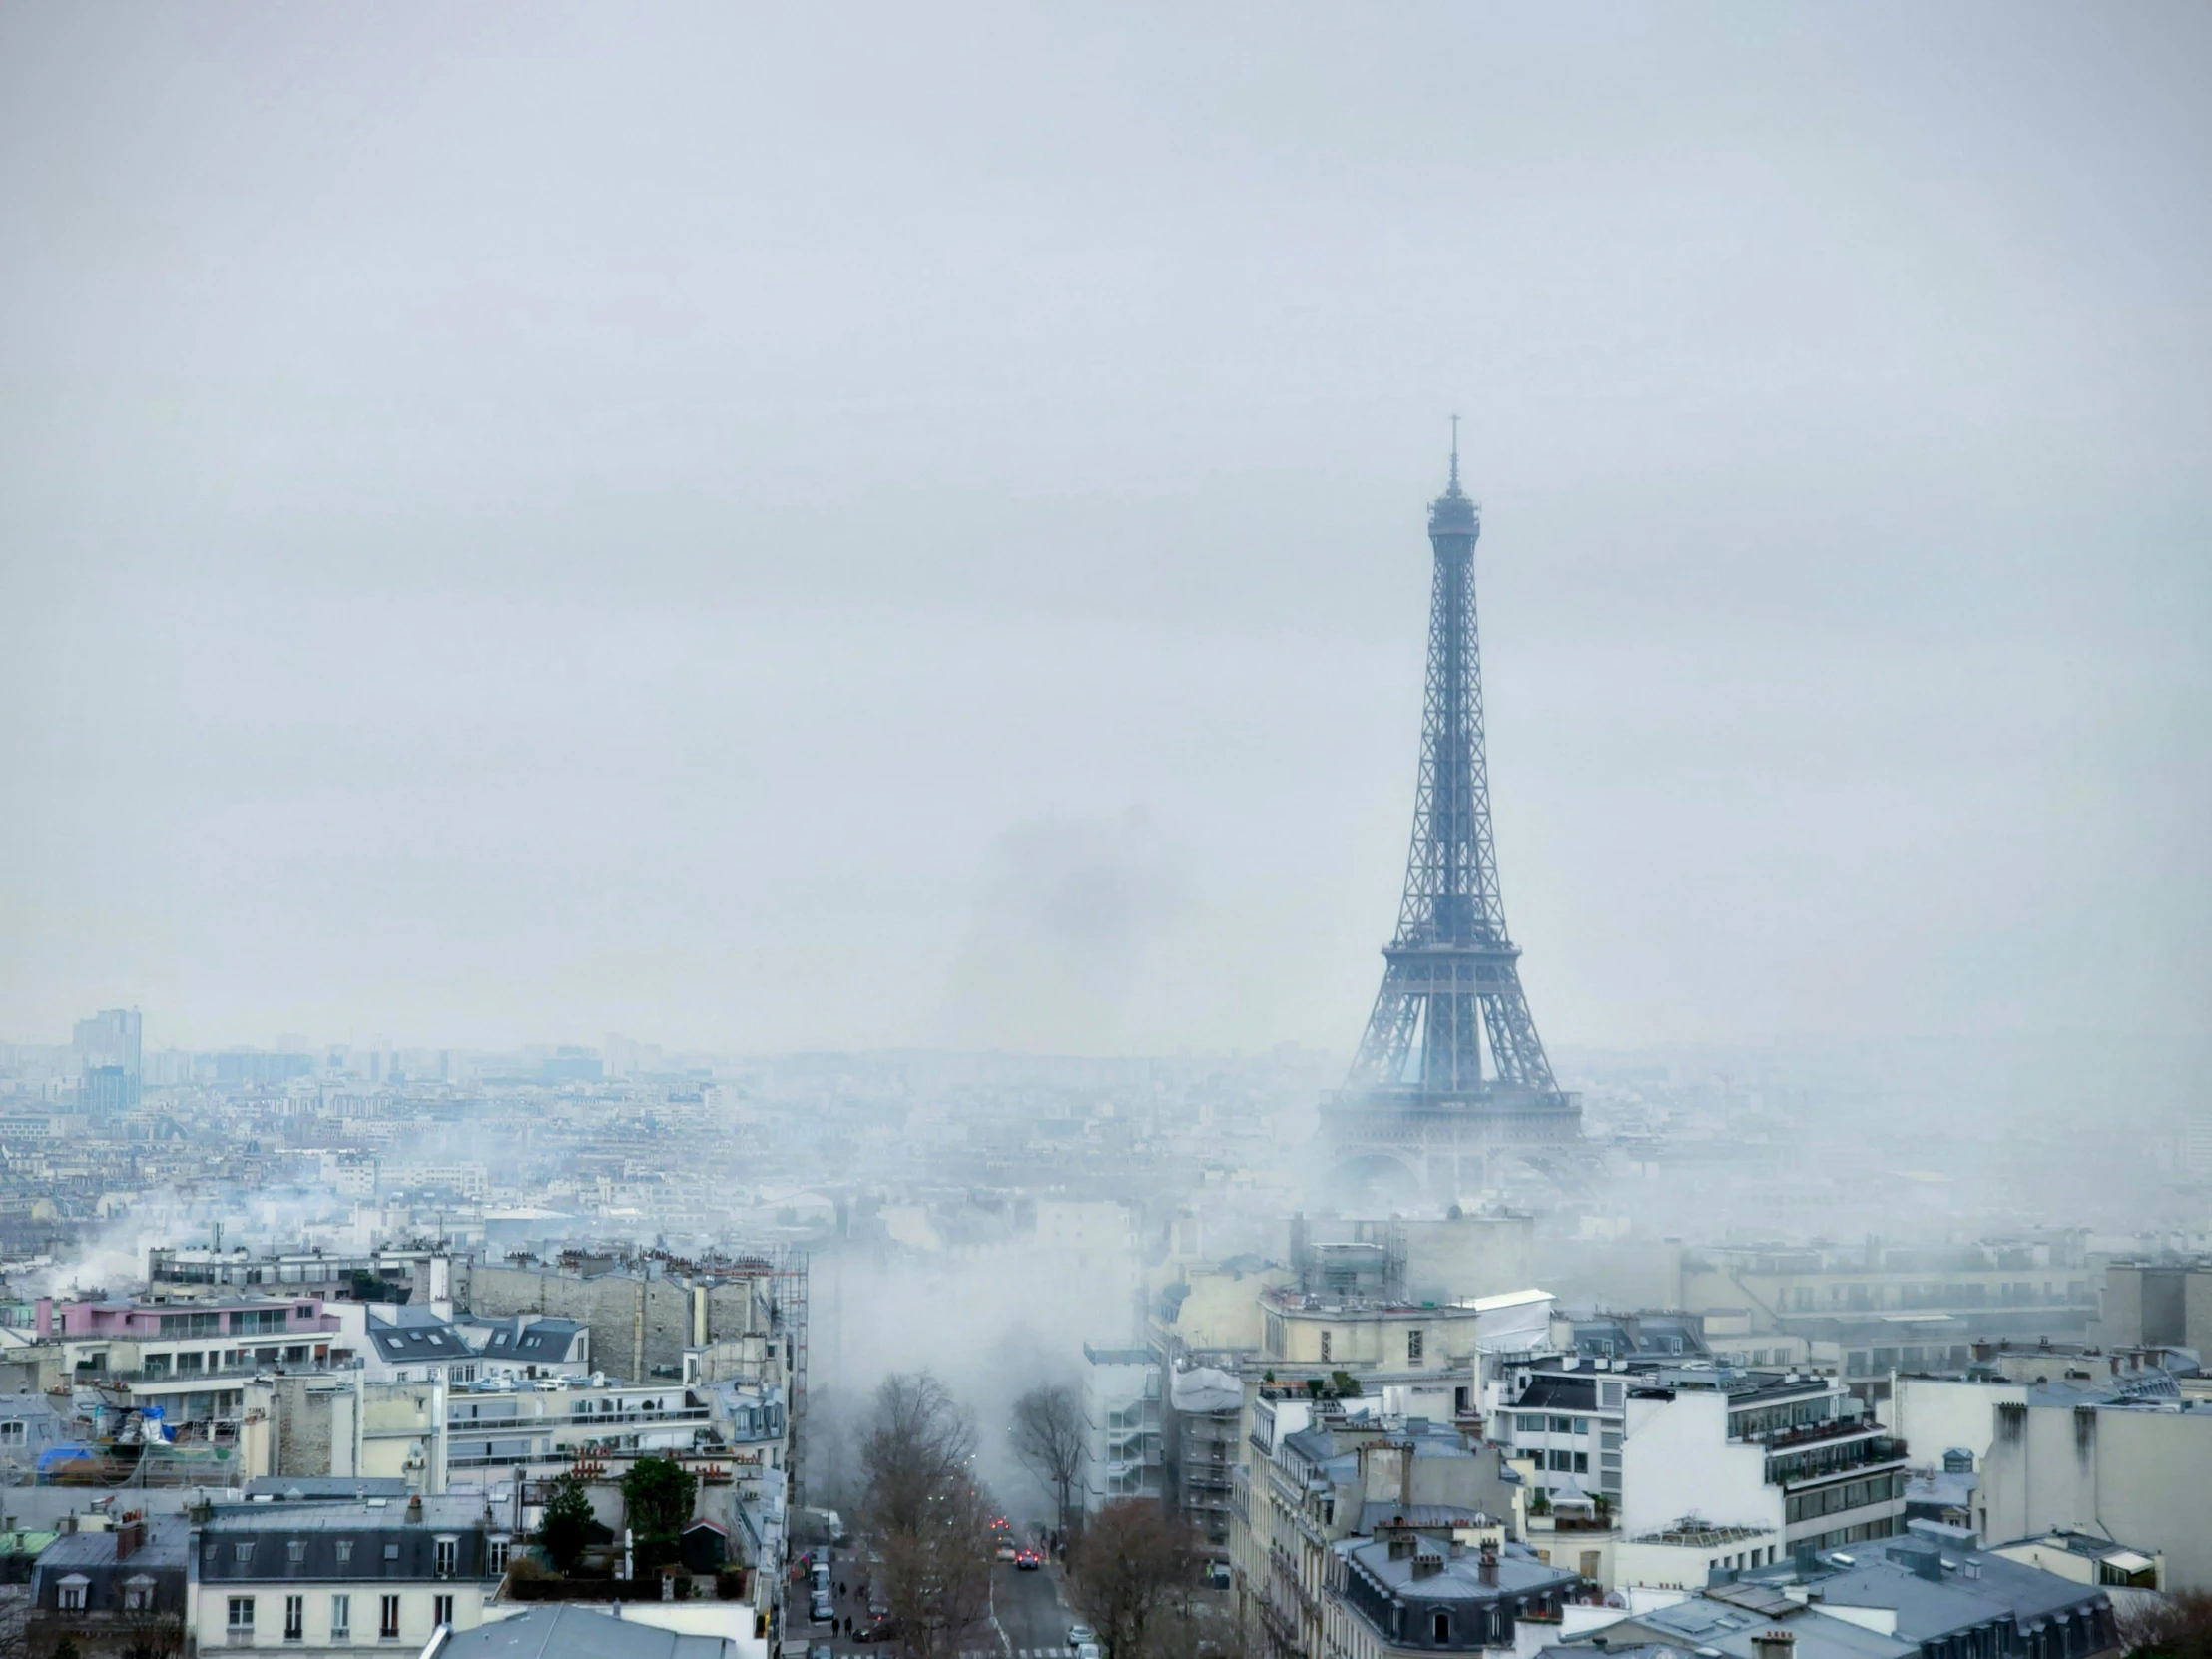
(820, 1609)
(1078, 1634)
(878, 1630)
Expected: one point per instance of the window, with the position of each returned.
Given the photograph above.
(1581, 1426)
(296, 1618)
(1582, 1463)
(1561, 1426)
(241, 1617)
(441, 1609)
(342, 1618)
(448, 1556)
(73, 1593)
(387, 1620)
(392, 1552)
(499, 1550)
(138, 1594)
(1440, 1628)
(244, 1551)
(1530, 1425)
(345, 1550)
(295, 1551)
(1414, 1342)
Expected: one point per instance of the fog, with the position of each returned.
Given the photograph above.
(872, 530)
(697, 630)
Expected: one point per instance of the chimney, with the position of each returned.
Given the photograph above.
(414, 1510)
(1487, 1565)
(1775, 1644)
(1428, 1563)
(1406, 1475)
(130, 1536)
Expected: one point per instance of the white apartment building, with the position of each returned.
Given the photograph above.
(1789, 1455)
(1121, 1425)
(331, 1578)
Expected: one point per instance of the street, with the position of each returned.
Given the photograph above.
(1025, 1606)
(1029, 1613)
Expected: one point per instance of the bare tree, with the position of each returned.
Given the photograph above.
(1131, 1574)
(928, 1513)
(921, 1444)
(1049, 1442)
(2175, 1627)
(938, 1577)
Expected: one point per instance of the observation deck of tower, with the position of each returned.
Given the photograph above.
(1451, 1069)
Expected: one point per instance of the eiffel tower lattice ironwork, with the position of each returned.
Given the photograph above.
(1451, 995)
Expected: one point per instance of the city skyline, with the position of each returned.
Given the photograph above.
(596, 613)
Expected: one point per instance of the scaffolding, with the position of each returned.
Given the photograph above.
(785, 1267)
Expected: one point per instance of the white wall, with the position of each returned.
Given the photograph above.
(2142, 1477)
(1932, 1416)
(1681, 1567)
(1677, 1460)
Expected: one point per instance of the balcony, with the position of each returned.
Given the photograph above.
(1824, 1462)
(1813, 1433)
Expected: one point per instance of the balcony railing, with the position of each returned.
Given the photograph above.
(1823, 1463)
(1813, 1433)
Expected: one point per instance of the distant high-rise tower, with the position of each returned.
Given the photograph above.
(1421, 1095)
(109, 1038)
(107, 1051)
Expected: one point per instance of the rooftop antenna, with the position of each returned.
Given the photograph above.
(1455, 456)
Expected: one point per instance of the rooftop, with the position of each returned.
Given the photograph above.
(567, 1631)
(1518, 1572)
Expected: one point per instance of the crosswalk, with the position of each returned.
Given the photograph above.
(1016, 1653)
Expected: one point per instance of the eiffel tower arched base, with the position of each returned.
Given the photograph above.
(1446, 1149)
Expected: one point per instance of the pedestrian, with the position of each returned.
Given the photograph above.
(840, 1588)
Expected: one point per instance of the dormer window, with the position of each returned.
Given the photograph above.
(295, 1551)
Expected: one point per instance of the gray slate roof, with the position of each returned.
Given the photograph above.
(1927, 1609)
(410, 1340)
(377, 1541)
(563, 1631)
(1705, 1622)
(1520, 1573)
(544, 1340)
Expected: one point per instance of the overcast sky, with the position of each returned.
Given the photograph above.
(854, 526)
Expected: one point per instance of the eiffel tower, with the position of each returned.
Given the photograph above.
(1419, 1095)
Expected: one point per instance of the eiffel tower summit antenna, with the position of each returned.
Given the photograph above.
(1451, 1070)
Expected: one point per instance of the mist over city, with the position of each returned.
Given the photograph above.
(1018, 833)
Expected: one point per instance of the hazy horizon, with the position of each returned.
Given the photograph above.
(769, 532)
